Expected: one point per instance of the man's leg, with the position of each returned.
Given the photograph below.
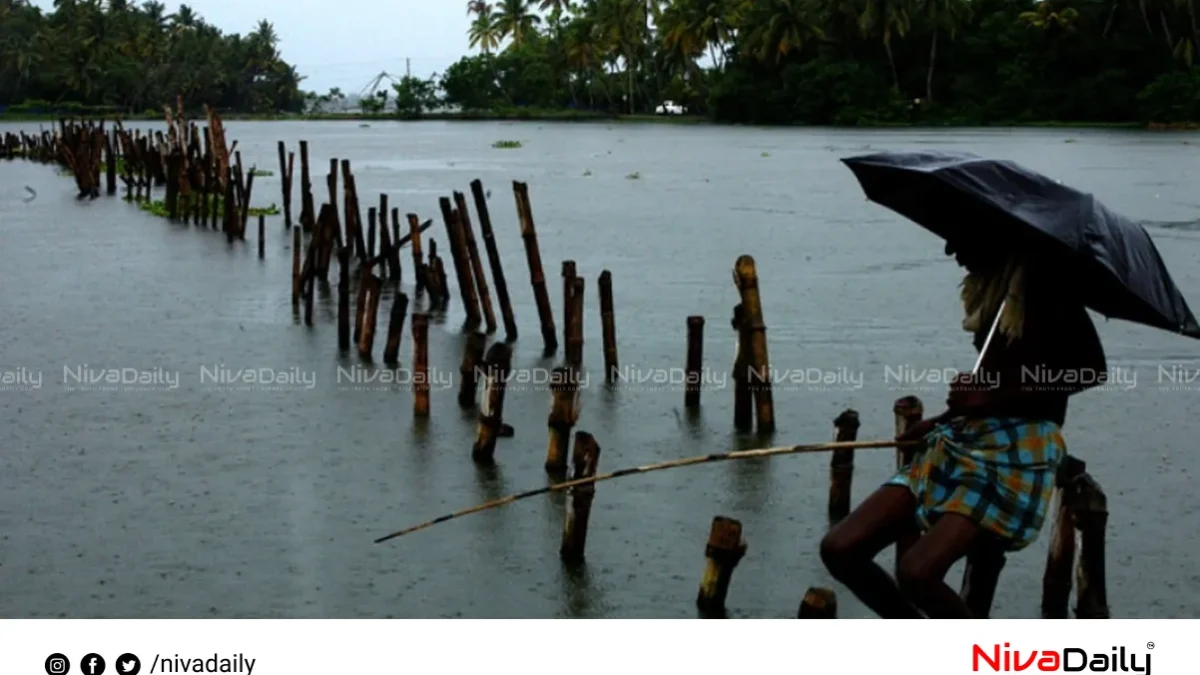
(923, 569)
(849, 550)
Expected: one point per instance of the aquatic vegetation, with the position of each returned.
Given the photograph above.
(159, 208)
(765, 154)
(587, 172)
(634, 176)
(506, 145)
(261, 172)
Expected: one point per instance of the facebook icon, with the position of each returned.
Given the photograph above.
(92, 664)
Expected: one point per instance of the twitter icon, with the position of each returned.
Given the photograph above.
(128, 664)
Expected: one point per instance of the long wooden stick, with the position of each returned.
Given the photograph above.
(673, 464)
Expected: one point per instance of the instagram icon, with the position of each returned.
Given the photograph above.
(57, 664)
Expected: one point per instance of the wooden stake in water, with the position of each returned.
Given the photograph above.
(468, 387)
(841, 466)
(420, 328)
(695, 361)
(262, 236)
(575, 324)
(536, 277)
(491, 414)
(564, 413)
(343, 317)
(585, 458)
(391, 351)
(608, 326)
(472, 250)
(722, 554)
(568, 282)
(367, 343)
(745, 276)
(489, 243)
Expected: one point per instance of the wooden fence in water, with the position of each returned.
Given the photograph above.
(205, 183)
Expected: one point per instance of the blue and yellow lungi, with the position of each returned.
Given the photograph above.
(999, 472)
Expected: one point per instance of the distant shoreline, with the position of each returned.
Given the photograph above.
(593, 117)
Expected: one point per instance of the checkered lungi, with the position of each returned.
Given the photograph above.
(999, 472)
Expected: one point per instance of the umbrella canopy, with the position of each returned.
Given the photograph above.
(1000, 205)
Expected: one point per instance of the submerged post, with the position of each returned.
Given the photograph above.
(608, 326)
(841, 466)
(743, 400)
(695, 360)
(745, 276)
(468, 386)
(579, 506)
(818, 603)
(564, 413)
(534, 258)
(491, 413)
(420, 329)
(575, 324)
(568, 280)
(722, 554)
(489, 243)
(391, 351)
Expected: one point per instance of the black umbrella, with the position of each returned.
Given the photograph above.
(964, 198)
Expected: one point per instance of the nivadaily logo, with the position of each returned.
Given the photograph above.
(1068, 660)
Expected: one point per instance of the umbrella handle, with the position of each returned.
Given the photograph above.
(991, 333)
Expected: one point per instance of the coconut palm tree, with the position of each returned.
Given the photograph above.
(484, 33)
(515, 19)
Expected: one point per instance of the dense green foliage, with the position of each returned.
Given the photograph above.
(834, 61)
(134, 58)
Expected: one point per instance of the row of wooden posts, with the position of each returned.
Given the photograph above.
(196, 177)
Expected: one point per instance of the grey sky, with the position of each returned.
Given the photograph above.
(346, 43)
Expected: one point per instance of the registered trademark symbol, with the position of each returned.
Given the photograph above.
(1149, 645)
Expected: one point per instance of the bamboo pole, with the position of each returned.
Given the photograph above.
(462, 262)
(391, 352)
(579, 507)
(367, 343)
(468, 386)
(489, 243)
(743, 400)
(343, 317)
(420, 329)
(306, 198)
(564, 413)
(472, 250)
(568, 285)
(491, 413)
(694, 362)
(1060, 559)
(608, 326)
(745, 276)
(534, 258)
(760, 453)
(724, 551)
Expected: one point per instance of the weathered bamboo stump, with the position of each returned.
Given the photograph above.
(307, 214)
(695, 360)
(564, 413)
(722, 554)
(1091, 519)
(841, 466)
(367, 342)
(391, 352)
(568, 285)
(468, 387)
(745, 277)
(818, 603)
(462, 262)
(472, 251)
(262, 236)
(489, 243)
(491, 413)
(575, 325)
(420, 376)
(608, 326)
(1060, 560)
(585, 459)
(536, 276)
(743, 399)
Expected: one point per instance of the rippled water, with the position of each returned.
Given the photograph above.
(193, 502)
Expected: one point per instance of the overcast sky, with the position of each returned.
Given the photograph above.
(346, 43)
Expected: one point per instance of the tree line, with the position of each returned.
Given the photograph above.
(91, 55)
(832, 61)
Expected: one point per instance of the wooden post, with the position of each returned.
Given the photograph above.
(564, 413)
(420, 270)
(841, 466)
(1060, 560)
(746, 278)
(367, 343)
(575, 326)
(370, 232)
(468, 386)
(695, 361)
(724, 551)
(743, 400)
(343, 317)
(534, 258)
(818, 603)
(360, 304)
(1091, 519)
(285, 182)
(608, 325)
(579, 507)
(462, 262)
(568, 280)
(262, 236)
(489, 243)
(306, 199)
(472, 251)
(296, 246)
(907, 411)
(420, 329)
(391, 352)
(491, 413)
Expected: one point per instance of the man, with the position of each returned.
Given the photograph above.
(985, 471)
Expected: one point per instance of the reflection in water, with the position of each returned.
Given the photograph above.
(582, 598)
